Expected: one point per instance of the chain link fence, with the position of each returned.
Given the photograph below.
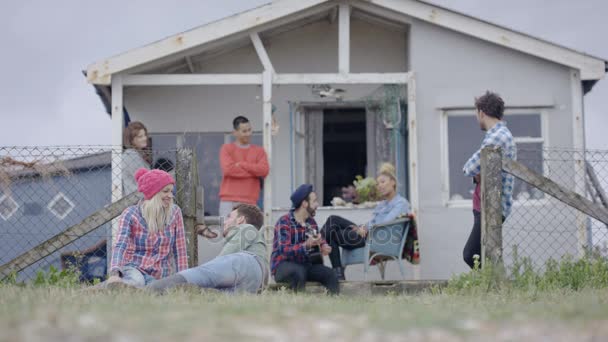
(46, 190)
(541, 227)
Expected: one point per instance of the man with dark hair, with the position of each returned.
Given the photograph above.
(296, 238)
(490, 110)
(241, 266)
(243, 166)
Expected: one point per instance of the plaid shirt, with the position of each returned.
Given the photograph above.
(151, 253)
(499, 135)
(289, 240)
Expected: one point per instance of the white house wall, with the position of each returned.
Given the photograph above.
(451, 69)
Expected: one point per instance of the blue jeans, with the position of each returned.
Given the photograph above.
(132, 276)
(238, 272)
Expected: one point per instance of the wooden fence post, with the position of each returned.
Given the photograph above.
(186, 172)
(491, 206)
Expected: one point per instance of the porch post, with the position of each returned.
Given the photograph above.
(578, 133)
(117, 131)
(413, 153)
(267, 115)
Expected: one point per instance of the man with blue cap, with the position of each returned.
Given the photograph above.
(296, 238)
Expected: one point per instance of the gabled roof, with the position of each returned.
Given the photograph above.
(280, 12)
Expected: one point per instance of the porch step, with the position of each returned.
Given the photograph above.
(358, 288)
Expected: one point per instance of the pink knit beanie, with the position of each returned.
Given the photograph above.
(150, 182)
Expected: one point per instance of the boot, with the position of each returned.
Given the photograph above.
(340, 273)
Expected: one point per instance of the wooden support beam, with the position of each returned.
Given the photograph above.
(362, 78)
(267, 132)
(190, 65)
(261, 51)
(256, 79)
(559, 192)
(413, 152)
(578, 134)
(192, 79)
(186, 172)
(344, 38)
(491, 205)
(333, 15)
(69, 235)
(117, 132)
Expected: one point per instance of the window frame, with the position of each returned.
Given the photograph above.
(471, 111)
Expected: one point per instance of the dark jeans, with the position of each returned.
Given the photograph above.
(297, 274)
(473, 245)
(338, 232)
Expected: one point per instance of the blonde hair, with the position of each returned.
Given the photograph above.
(388, 170)
(155, 215)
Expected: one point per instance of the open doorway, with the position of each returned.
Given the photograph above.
(344, 149)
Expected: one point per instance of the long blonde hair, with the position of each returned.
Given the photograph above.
(157, 217)
(388, 170)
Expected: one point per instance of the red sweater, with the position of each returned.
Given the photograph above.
(242, 168)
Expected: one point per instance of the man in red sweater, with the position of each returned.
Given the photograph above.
(243, 167)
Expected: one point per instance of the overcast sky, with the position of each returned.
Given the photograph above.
(45, 100)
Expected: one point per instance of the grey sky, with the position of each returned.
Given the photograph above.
(45, 100)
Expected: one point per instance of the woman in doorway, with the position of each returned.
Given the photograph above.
(134, 156)
(340, 232)
(151, 243)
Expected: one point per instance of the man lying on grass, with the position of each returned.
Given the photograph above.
(241, 266)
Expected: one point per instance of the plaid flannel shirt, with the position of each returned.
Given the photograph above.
(151, 253)
(499, 135)
(289, 240)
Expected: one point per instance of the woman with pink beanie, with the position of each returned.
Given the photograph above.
(150, 243)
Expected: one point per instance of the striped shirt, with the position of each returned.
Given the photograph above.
(499, 135)
(153, 253)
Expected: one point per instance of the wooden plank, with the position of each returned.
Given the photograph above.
(360, 78)
(117, 133)
(267, 135)
(491, 205)
(257, 79)
(344, 38)
(261, 51)
(595, 182)
(413, 153)
(590, 67)
(69, 235)
(187, 183)
(559, 192)
(578, 142)
(101, 71)
(191, 79)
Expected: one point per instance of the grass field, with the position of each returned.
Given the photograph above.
(59, 314)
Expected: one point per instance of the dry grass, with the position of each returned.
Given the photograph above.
(56, 314)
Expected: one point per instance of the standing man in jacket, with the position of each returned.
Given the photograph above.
(244, 166)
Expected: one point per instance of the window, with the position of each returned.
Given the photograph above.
(60, 206)
(462, 136)
(8, 207)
